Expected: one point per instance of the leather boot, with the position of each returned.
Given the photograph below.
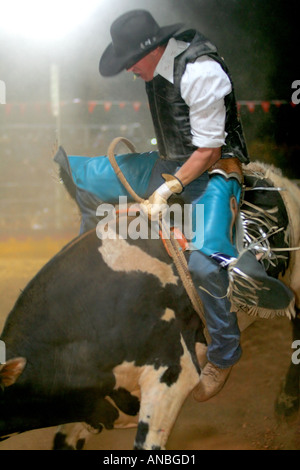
(212, 380)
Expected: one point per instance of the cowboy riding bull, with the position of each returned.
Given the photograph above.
(201, 149)
(108, 341)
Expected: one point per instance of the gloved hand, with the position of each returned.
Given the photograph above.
(157, 202)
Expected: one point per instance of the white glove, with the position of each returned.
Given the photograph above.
(157, 202)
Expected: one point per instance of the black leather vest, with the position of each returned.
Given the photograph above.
(170, 113)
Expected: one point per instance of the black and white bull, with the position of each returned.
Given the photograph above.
(104, 334)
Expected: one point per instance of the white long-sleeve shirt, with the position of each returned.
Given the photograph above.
(204, 85)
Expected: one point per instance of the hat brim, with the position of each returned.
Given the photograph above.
(111, 64)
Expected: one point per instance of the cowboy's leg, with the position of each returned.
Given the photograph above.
(219, 203)
(217, 242)
(210, 278)
(95, 182)
(211, 281)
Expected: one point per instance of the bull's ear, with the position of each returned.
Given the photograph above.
(10, 371)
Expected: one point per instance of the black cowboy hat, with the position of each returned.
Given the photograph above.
(134, 35)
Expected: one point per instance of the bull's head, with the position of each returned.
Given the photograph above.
(11, 370)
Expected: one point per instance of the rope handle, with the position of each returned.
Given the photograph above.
(114, 164)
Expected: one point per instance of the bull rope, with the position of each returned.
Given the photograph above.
(169, 238)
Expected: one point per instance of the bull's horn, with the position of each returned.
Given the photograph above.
(11, 370)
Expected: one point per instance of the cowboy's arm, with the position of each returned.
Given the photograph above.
(200, 160)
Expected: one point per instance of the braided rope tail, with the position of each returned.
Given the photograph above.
(169, 238)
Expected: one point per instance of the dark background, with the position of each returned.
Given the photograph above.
(257, 38)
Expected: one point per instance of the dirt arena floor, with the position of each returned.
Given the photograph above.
(240, 418)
